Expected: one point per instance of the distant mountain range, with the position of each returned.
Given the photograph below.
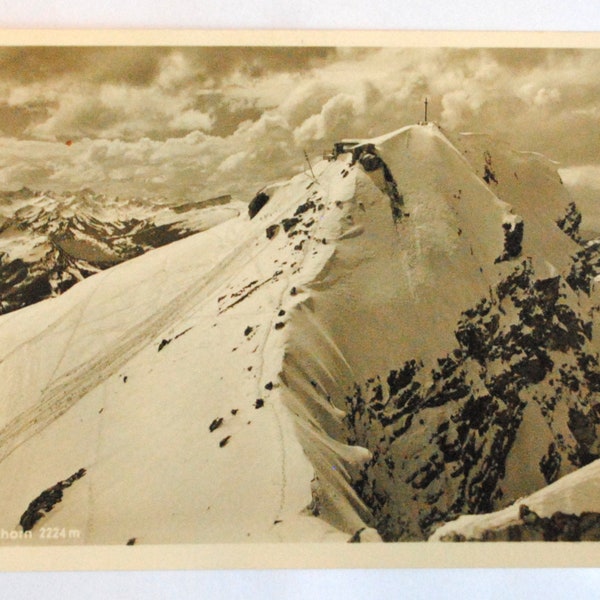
(49, 242)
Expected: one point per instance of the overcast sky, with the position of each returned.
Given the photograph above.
(199, 122)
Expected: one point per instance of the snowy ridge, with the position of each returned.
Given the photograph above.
(572, 496)
(211, 388)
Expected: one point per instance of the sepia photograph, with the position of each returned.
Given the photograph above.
(314, 293)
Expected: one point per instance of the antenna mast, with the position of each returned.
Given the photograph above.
(310, 167)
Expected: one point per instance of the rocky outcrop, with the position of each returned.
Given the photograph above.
(571, 222)
(559, 527)
(489, 175)
(372, 163)
(585, 267)
(513, 239)
(46, 501)
(257, 203)
(442, 435)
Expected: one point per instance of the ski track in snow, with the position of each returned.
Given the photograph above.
(73, 385)
(73, 333)
(60, 397)
(66, 316)
(275, 407)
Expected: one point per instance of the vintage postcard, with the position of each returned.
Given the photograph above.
(299, 299)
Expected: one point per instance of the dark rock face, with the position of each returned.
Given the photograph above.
(513, 238)
(164, 343)
(257, 203)
(290, 223)
(370, 161)
(271, 231)
(391, 189)
(585, 266)
(586, 262)
(550, 464)
(571, 222)
(46, 501)
(215, 424)
(305, 207)
(23, 283)
(441, 435)
(488, 173)
(20, 286)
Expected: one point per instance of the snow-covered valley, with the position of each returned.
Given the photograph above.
(399, 337)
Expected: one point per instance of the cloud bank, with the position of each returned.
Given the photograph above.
(199, 122)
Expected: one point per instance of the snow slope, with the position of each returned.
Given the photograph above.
(207, 386)
(87, 386)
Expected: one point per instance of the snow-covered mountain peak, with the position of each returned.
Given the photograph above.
(310, 369)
